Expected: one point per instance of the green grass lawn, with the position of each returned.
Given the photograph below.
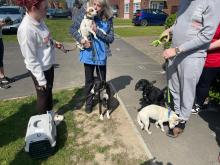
(14, 116)
(59, 29)
(139, 31)
(120, 21)
(81, 139)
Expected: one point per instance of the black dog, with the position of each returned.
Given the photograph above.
(150, 93)
(102, 91)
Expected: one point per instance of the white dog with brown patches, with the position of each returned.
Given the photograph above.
(86, 25)
(158, 113)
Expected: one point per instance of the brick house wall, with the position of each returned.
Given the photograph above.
(170, 6)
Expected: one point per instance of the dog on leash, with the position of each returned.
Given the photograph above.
(102, 91)
(150, 93)
(158, 113)
(86, 26)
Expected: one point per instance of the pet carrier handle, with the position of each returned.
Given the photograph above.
(36, 123)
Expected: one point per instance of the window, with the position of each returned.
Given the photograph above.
(136, 6)
(126, 9)
(157, 5)
(161, 6)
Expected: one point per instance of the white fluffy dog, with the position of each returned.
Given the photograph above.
(158, 113)
(86, 25)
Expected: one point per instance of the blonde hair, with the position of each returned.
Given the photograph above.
(107, 11)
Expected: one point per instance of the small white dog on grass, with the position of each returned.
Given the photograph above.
(158, 113)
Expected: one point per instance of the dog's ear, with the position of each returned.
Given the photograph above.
(137, 85)
(91, 9)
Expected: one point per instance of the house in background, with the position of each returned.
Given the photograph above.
(128, 7)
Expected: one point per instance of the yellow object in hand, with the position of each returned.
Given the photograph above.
(156, 43)
(164, 38)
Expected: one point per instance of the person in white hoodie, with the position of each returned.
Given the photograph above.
(38, 50)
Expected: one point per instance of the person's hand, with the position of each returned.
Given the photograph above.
(171, 52)
(42, 87)
(85, 43)
(58, 45)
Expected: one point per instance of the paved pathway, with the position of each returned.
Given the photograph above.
(198, 144)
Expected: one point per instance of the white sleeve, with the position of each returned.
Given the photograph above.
(28, 44)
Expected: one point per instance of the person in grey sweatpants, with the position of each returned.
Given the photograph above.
(192, 32)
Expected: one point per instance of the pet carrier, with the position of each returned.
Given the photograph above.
(40, 137)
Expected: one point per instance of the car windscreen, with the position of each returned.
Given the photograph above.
(9, 11)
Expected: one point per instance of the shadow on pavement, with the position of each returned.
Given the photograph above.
(153, 162)
(21, 76)
(27, 74)
(212, 118)
(121, 82)
(118, 84)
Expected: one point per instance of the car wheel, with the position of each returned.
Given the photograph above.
(144, 22)
(50, 16)
(69, 17)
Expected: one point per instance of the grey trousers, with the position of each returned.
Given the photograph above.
(183, 74)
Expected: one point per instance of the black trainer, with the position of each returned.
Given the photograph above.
(6, 80)
(4, 86)
(177, 130)
(88, 109)
(196, 109)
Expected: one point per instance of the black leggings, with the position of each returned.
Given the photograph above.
(1, 52)
(45, 98)
(89, 79)
(207, 78)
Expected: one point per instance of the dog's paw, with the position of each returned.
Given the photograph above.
(108, 115)
(149, 132)
(162, 130)
(101, 117)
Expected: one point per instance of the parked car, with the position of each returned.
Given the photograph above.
(15, 14)
(146, 17)
(59, 13)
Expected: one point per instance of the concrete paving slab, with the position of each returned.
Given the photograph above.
(68, 72)
(196, 146)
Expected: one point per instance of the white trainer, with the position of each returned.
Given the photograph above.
(196, 109)
(58, 119)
